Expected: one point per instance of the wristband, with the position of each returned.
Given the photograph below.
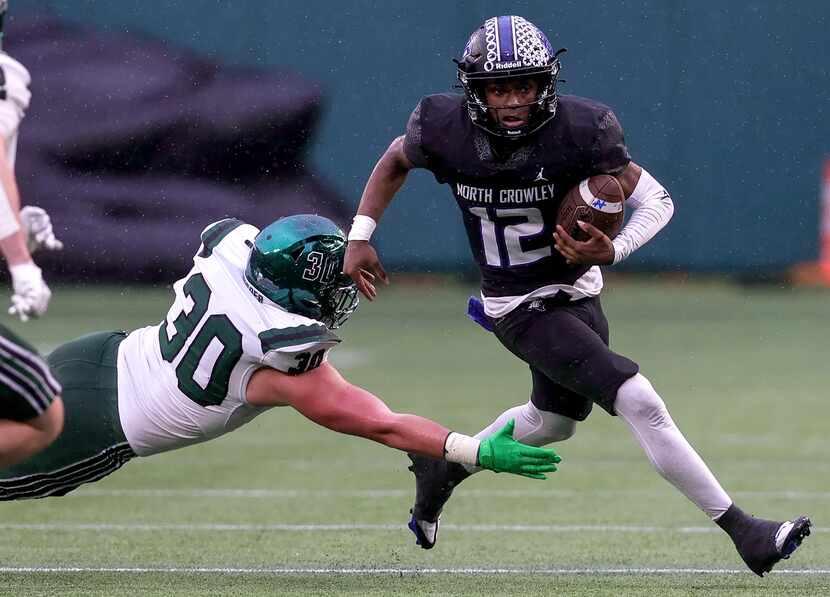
(461, 448)
(362, 228)
(27, 269)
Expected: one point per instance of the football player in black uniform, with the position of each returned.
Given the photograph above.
(510, 148)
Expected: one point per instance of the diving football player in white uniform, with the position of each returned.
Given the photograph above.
(250, 328)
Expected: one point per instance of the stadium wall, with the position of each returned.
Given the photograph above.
(725, 103)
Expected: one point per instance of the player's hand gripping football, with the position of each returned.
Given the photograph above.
(37, 225)
(597, 250)
(362, 265)
(503, 454)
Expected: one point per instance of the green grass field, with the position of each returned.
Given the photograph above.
(281, 507)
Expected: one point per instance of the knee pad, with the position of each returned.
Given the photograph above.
(638, 401)
(549, 427)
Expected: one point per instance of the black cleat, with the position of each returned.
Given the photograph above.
(434, 483)
(794, 536)
(763, 543)
(426, 532)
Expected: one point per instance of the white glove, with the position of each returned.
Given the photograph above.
(37, 226)
(31, 294)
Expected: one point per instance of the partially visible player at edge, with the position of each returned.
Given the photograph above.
(250, 328)
(510, 148)
(31, 412)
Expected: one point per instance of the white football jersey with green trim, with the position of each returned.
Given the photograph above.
(184, 381)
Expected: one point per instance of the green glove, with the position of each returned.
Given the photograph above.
(503, 454)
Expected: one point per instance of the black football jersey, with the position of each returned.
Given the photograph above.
(509, 204)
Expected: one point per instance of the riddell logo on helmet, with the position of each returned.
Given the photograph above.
(504, 65)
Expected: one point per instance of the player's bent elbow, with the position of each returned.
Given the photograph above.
(667, 200)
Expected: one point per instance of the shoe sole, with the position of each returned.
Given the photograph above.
(420, 539)
(800, 530)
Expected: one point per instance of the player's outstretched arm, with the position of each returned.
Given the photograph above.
(361, 262)
(323, 396)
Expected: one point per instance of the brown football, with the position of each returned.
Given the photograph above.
(598, 200)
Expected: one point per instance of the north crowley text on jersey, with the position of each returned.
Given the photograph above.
(504, 196)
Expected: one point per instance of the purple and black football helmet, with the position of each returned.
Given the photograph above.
(508, 47)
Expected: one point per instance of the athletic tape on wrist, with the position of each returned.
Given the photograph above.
(24, 269)
(461, 448)
(362, 228)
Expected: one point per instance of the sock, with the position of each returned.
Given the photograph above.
(732, 520)
(642, 408)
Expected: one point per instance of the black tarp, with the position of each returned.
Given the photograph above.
(134, 146)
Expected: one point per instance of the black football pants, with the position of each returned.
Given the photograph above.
(566, 345)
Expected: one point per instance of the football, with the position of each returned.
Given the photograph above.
(598, 200)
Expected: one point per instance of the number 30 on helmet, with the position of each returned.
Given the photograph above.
(297, 263)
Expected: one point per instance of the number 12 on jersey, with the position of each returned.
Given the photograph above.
(505, 231)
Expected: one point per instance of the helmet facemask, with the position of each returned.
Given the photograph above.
(542, 109)
(339, 302)
(509, 47)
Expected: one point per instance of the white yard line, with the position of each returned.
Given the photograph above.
(399, 571)
(407, 493)
(325, 527)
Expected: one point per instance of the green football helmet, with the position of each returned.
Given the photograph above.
(297, 262)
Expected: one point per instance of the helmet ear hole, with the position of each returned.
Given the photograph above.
(310, 304)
